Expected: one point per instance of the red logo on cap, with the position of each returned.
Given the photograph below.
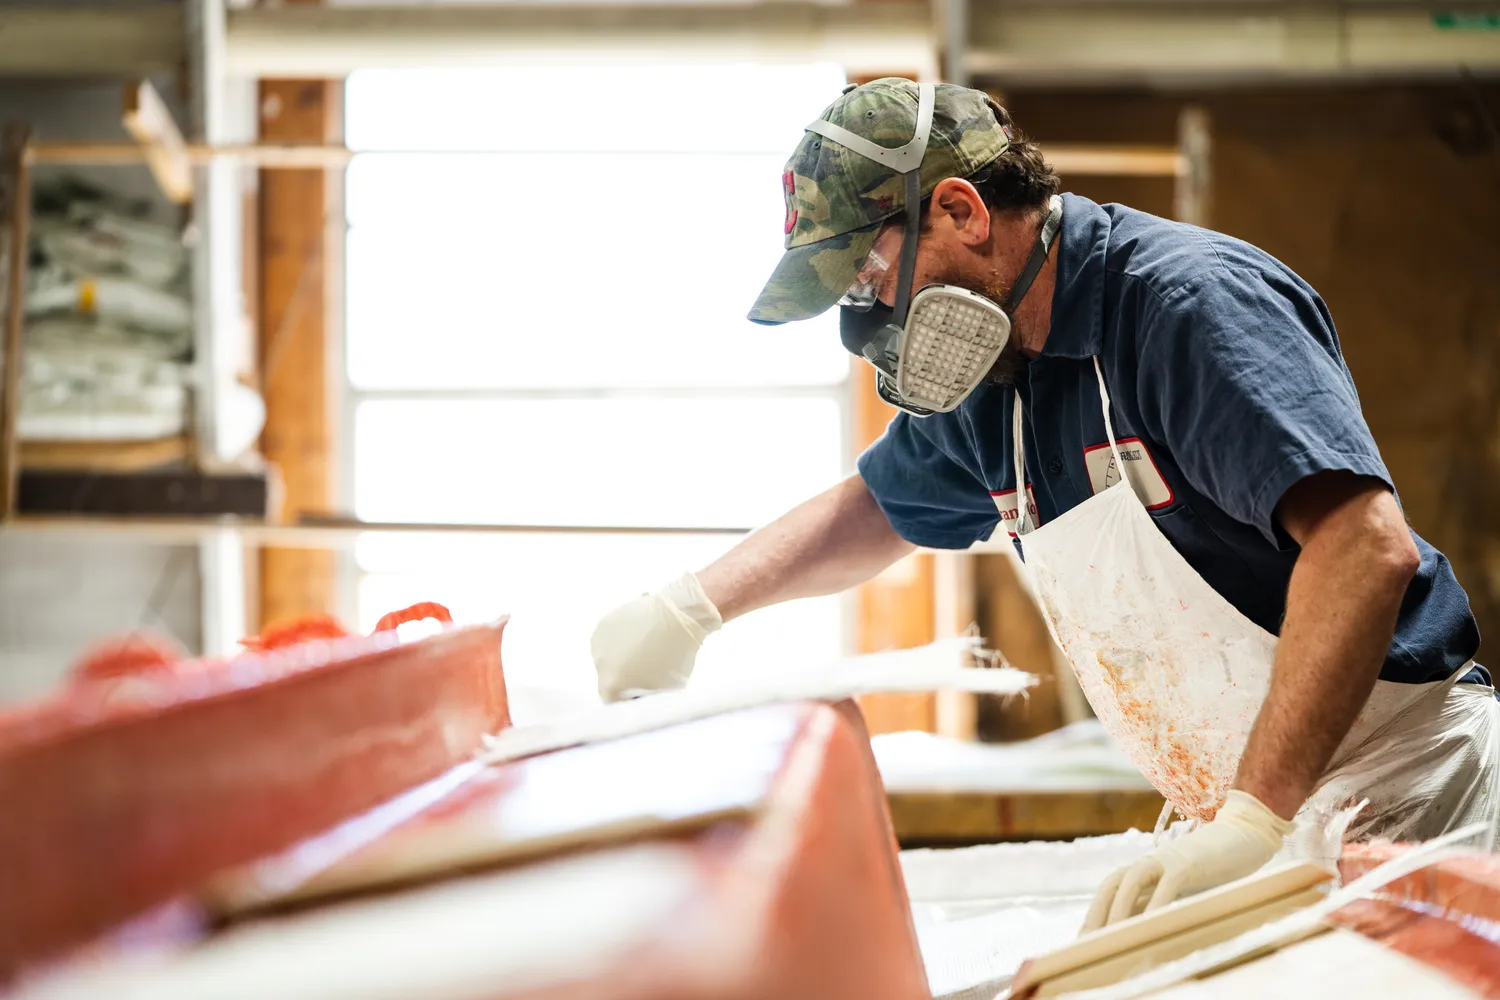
(789, 184)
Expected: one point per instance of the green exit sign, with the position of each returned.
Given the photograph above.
(1468, 21)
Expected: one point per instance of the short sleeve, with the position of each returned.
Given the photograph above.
(929, 496)
(1241, 377)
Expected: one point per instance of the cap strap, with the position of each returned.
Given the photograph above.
(902, 159)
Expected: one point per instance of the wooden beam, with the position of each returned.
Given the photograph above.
(294, 342)
(150, 123)
(1066, 158)
(17, 181)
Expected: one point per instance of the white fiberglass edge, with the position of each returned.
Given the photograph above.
(938, 666)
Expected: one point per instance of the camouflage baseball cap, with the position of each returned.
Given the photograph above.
(837, 199)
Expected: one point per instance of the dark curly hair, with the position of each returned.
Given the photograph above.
(1019, 178)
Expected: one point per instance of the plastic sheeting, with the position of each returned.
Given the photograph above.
(981, 911)
(1206, 961)
(109, 321)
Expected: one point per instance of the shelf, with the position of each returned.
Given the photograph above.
(171, 492)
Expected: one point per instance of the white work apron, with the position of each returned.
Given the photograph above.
(1177, 676)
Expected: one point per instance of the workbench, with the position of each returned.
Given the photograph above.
(1070, 783)
(938, 818)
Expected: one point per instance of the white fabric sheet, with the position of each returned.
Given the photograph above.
(1080, 756)
(981, 911)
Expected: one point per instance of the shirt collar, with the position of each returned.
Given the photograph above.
(1078, 295)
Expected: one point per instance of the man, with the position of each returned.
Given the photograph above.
(1162, 417)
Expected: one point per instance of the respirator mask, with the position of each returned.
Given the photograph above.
(932, 349)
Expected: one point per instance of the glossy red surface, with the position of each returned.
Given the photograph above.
(789, 888)
(805, 903)
(120, 795)
(1446, 915)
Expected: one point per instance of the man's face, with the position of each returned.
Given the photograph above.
(942, 259)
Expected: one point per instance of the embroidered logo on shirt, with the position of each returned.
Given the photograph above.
(1145, 477)
(1005, 503)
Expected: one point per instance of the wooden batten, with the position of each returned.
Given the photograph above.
(148, 120)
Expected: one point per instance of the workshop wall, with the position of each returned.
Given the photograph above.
(1386, 199)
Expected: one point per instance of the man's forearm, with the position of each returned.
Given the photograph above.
(834, 541)
(1356, 562)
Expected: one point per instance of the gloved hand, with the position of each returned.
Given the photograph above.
(650, 643)
(1242, 837)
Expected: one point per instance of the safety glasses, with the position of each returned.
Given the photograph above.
(864, 292)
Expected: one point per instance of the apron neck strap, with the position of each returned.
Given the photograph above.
(1018, 451)
(1109, 427)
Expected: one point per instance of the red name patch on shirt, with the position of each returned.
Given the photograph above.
(1005, 503)
(1145, 478)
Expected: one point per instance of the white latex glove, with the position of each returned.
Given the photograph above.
(650, 643)
(1242, 837)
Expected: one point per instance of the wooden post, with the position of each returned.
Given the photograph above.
(1193, 191)
(17, 180)
(294, 343)
(1013, 624)
(955, 612)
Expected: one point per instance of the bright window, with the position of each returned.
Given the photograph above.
(547, 273)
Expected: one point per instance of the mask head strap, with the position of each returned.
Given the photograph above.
(1038, 256)
(902, 159)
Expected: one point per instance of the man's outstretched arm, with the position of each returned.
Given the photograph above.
(836, 540)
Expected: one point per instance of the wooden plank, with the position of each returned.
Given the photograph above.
(967, 817)
(17, 181)
(147, 118)
(294, 342)
(1121, 950)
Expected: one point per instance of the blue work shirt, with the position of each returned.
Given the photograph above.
(1227, 386)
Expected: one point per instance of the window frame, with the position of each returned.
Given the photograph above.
(350, 396)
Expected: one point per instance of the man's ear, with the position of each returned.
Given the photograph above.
(961, 204)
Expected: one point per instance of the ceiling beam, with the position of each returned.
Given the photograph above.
(1019, 41)
(113, 40)
(1083, 44)
(333, 40)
